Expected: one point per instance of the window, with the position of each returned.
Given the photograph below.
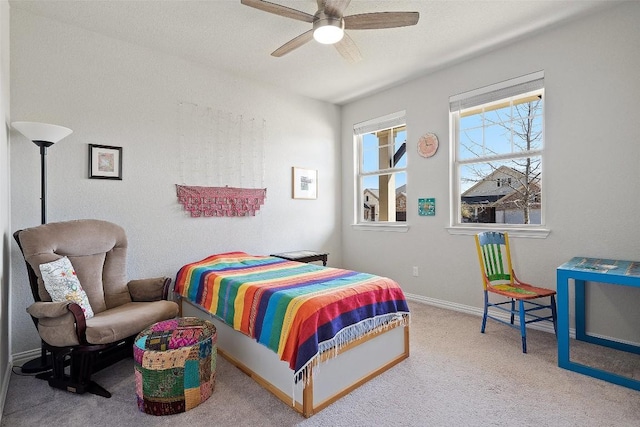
(381, 147)
(498, 142)
(503, 181)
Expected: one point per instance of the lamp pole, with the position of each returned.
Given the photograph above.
(43, 135)
(43, 178)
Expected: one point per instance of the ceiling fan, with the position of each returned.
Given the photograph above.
(329, 24)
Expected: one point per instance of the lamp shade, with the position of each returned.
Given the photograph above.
(42, 131)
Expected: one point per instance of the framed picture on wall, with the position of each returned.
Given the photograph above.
(305, 183)
(105, 162)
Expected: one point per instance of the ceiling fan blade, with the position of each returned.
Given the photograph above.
(348, 49)
(279, 10)
(333, 7)
(377, 20)
(293, 44)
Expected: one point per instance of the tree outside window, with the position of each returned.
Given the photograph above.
(498, 160)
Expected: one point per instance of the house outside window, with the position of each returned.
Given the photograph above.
(498, 143)
(381, 168)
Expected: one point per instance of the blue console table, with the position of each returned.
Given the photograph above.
(581, 270)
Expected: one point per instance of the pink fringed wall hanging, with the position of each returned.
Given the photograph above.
(221, 201)
(224, 153)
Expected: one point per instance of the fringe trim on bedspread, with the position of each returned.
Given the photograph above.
(330, 348)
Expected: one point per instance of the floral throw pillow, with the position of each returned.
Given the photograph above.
(61, 282)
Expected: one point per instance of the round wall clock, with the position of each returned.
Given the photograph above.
(428, 145)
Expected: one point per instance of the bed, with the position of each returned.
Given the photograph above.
(309, 334)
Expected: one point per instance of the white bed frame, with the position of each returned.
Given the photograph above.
(354, 365)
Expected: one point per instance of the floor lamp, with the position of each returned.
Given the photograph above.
(43, 135)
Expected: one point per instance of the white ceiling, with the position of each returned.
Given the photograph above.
(224, 34)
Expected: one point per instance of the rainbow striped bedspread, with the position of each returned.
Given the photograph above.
(297, 310)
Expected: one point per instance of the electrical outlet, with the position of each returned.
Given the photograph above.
(415, 271)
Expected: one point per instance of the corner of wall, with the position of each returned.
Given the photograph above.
(5, 212)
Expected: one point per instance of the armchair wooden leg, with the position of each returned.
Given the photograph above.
(97, 389)
(80, 369)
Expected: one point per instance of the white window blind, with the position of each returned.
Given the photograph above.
(384, 122)
(497, 91)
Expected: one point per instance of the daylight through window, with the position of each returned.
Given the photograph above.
(381, 169)
(498, 139)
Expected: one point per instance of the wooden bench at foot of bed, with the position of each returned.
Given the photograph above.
(341, 371)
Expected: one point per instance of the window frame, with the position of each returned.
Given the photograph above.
(387, 122)
(502, 91)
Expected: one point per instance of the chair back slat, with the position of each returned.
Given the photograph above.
(493, 256)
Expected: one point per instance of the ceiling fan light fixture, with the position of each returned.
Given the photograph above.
(328, 30)
(329, 23)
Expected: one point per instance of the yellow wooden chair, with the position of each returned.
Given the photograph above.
(498, 278)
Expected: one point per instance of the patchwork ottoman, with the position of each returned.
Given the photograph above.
(175, 365)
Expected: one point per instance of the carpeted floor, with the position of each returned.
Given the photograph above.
(455, 376)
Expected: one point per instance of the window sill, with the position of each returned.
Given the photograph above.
(532, 233)
(399, 228)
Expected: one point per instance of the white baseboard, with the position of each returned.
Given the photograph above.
(25, 356)
(16, 360)
(20, 358)
(476, 311)
(4, 388)
(542, 326)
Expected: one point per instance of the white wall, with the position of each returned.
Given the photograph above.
(591, 167)
(110, 92)
(114, 93)
(4, 203)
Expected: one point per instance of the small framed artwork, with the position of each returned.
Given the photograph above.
(105, 162)
(427, 207)
(305, 183)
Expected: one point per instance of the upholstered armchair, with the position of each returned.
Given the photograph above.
(85, 310)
